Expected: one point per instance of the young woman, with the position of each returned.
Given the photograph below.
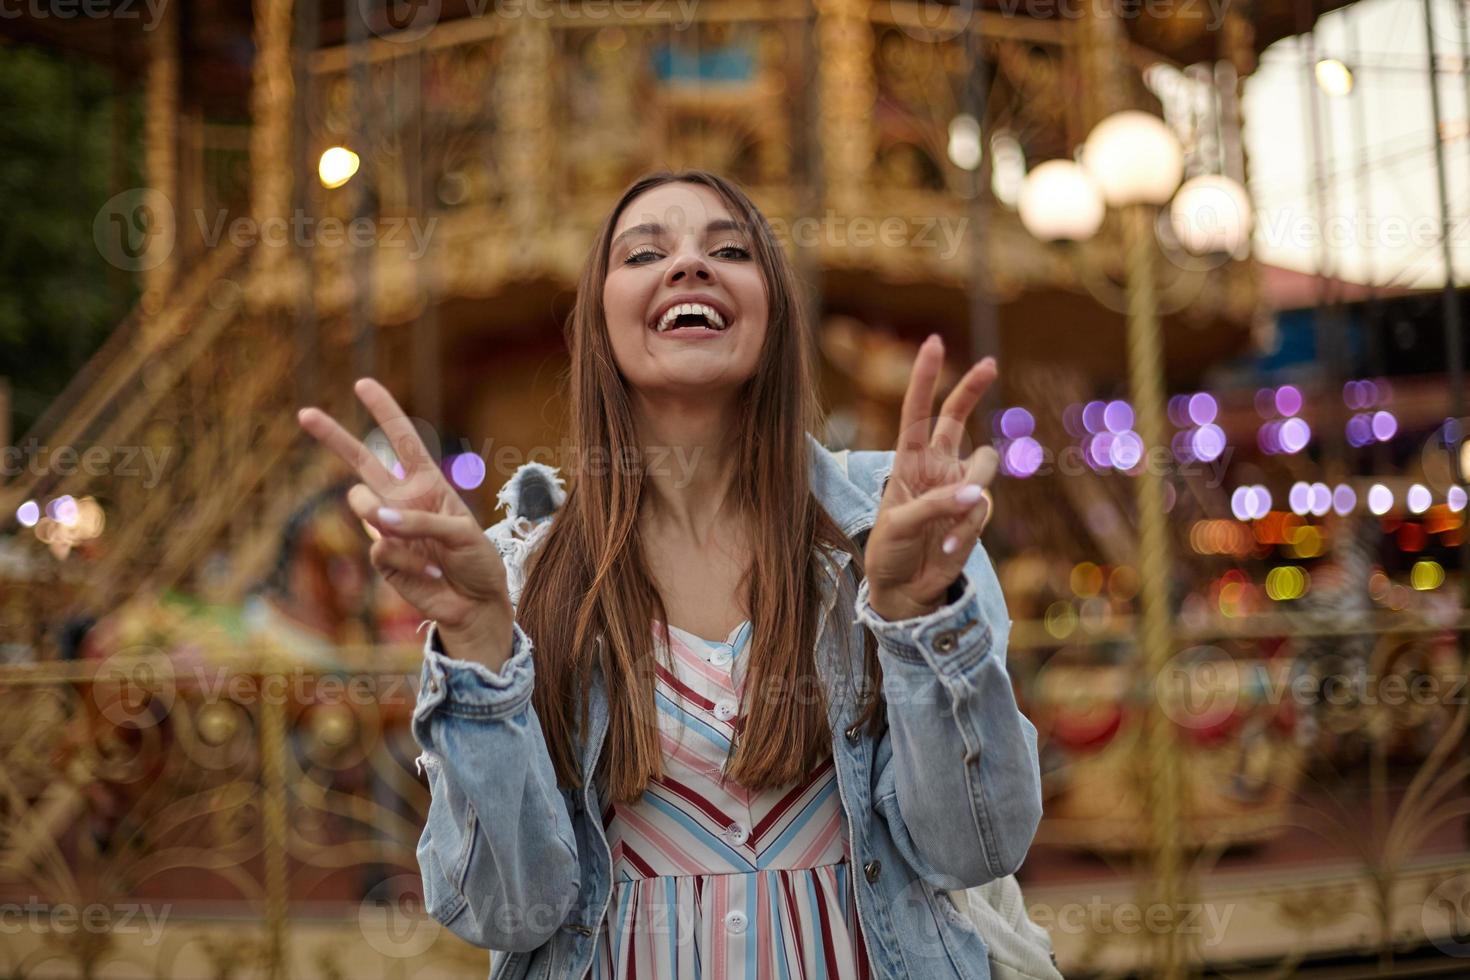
(729, 704)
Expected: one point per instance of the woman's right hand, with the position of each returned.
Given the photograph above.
(430, 548)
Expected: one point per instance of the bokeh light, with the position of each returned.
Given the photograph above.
(467, 471)
(1380, 499)
(1418, 498)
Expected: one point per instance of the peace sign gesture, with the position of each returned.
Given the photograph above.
(429, 546)
(935, 505)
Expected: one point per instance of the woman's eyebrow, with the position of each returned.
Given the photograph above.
(654, 229)
(648, 228)
(727, 224)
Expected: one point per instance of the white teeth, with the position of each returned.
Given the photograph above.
(666, 322)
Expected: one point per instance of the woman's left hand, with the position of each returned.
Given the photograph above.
(935, 504)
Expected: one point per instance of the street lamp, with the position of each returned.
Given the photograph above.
(1060, 201)
(1132, 161)
(1212, 214)
(1133, 158)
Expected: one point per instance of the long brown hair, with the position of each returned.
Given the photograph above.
(589, 599)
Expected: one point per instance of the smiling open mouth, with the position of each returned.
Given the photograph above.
(690, 315)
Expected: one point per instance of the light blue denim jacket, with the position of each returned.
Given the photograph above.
(947, 797)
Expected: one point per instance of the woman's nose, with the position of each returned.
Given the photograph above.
(689, 265)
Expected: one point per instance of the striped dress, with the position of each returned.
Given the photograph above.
(710, 880)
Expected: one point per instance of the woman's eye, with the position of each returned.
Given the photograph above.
(733, 251)
(639, 255)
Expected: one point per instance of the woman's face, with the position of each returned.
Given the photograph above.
(677, 247)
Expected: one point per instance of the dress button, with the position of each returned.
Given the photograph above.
(852, 733)
(736, 921)
(945, 642)
(737, 833)
(434, 685)
(725, 709)
(720, 658)
(871, 869)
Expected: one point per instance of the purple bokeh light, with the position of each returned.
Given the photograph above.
(1419, 498)
(1250, 502)
(1023, 457)
(1016, 423)
(28, 513)
(1320, 500)
(1288, 400)
(1380, 499)
(1118, 416)
(1344, 499)
(1092, 416)
(1300, 498)
(1208, 442)
(1126, 450)
(1295, 435)
(1359, 431)
(1384, 426)
(1203, 408)
(1455, 498)
(467, 471)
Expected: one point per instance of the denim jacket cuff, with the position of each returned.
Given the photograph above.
(467, 687)
(950, 639)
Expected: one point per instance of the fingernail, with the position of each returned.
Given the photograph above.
(969, 493)
(433, 571)
(389, 516)
(950, 544)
